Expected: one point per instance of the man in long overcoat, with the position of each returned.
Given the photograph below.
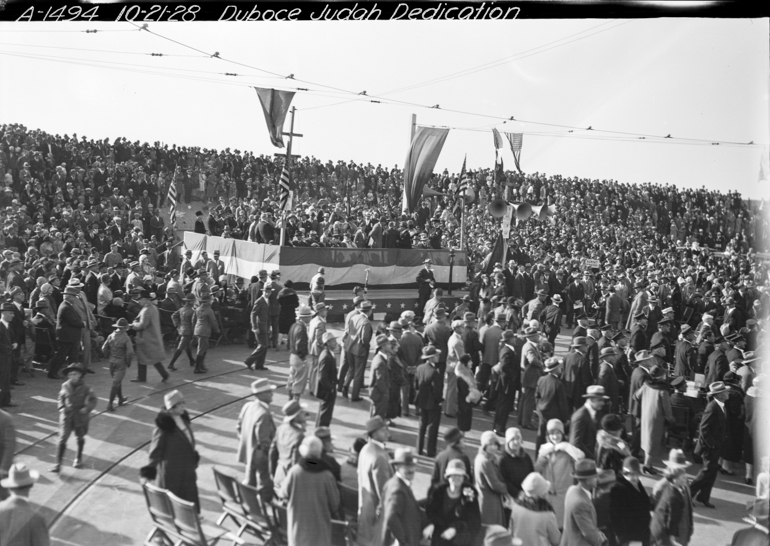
(150, 350)
(256, 431)
(374, 471)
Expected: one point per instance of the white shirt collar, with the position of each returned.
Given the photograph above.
(377, 443)
(407, 482)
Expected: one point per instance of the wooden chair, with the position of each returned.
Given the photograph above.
(257, 521)
(188, 524)
(341, 535)
(349, 501)
(162, 515)
(228, 494)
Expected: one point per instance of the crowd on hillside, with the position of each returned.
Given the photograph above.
(667, 296)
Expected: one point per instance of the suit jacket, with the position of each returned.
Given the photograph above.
(374, 471)
(403, 519)
(260, 316)
(69, 325)
(20, 525)
(510, 376)
(358, 335)
(531, 365)
(582, 433)
(256, 431)
(638, 340)
(576, 376)
(91, 288)
(609, 380)
(712, 430)
(613, 307)
(551, 399)
(716, 366)
(490, 345)
(429, 387)
(327, 374)
(580, 522)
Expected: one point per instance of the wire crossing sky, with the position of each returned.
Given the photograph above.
(669, 101)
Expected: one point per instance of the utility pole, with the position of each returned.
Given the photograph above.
(291, 134)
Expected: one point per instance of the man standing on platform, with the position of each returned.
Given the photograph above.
(260, 325)
(256, 431)
(425, 282)
(358, 336)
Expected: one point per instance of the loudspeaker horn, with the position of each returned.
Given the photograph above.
(540, 212)
(522, 211)
(427, 192)
(497, 208)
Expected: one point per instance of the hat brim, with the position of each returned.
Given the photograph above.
(596, 396)
(597, 472)
(269, 388)
(10, 483)
(677, 465)
(69, 369)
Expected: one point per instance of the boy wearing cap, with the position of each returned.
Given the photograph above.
(120, 352)
(19, 523)
(256, 431)
(76, 401)
(184, 320)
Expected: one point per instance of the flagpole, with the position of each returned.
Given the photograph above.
(288, 168)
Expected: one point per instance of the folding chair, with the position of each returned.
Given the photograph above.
(228, 494)
(341, 535)
(279, 525)
(256, 520)
(162, 515)
(188, 524)
(349, 501)
(214, 340)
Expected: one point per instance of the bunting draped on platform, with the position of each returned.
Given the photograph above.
(275, 105)
(420, 160)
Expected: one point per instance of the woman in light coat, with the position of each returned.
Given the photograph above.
(655, 412)
(533, 520)
(556, 462)
(489, 481)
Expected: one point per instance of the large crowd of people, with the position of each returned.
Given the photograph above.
(661, 290)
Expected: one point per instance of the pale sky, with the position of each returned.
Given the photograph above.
(701, 79)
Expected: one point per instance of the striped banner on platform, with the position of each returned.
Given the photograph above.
(343, 266)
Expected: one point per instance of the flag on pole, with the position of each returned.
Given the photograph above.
(516, 140)
(420, 160)
(460, 192)
(285, 187)
(498, 255)
(275, 105)
(172, 199)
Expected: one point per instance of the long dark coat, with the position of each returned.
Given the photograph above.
(289, 301)
(174, 457)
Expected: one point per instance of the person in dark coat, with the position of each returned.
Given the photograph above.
(173, 457)
(638, 340)
(69, 327)
(326, 386)
(577, 372)
(289, 302)
(611, 447)
(717, 364)
(428, 400)
(710, 446)
(685, 354)
(455, 441)
(551, 399)
(585, 421)
(453, 509)
(402, 519)
(425, 282)
(672, 517)
(515, 463)
(607, 378)
(735, 415)
(630, 505)
(508, 382)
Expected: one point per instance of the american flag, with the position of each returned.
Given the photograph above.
(515, 140)
(285, 185)
(172, 198)
(460, 191)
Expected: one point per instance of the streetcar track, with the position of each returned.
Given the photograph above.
(134, 401)
(91, 483)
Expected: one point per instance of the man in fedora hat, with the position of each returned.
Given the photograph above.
(298, 344)
(150, 350)
(326, 384)
(531, 368)
(508, 382)
(19, 523)
(428, 399)
(374, 471)
(551, 319)
(710, 445)
(551, 398)
(69, 327)
(685, 353)
(638, 340)
(120, 352)
(455, 442)
(256, 431)
(425, 282)
(759, 518)
(402, 518)
(580, 520)
(284, 451)
(534, 308)
(260, 325)
(379, 386)
(585, 421)
(577, 371)
(315, 331)
(608, 378)
(357, 338)
(76, 402)
(8, 345)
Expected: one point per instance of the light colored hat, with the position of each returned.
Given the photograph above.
(327, 337)
(535, 485)
(595, 391)
(374, 424)
(311, 447)
(404, 456)
(304, 311)
(172, 399)
(488, 437)
(717, 387)
(554, 424)
(291, 409)
(511, 433)
(19, 475)
(455, 467)
(262, 385)
(676, 459)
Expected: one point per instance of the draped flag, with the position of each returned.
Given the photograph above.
(420, 160)
(498, 138)
(172, 200)
(497, 255)
(285, 185)
(275, 105)
(516, 140)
